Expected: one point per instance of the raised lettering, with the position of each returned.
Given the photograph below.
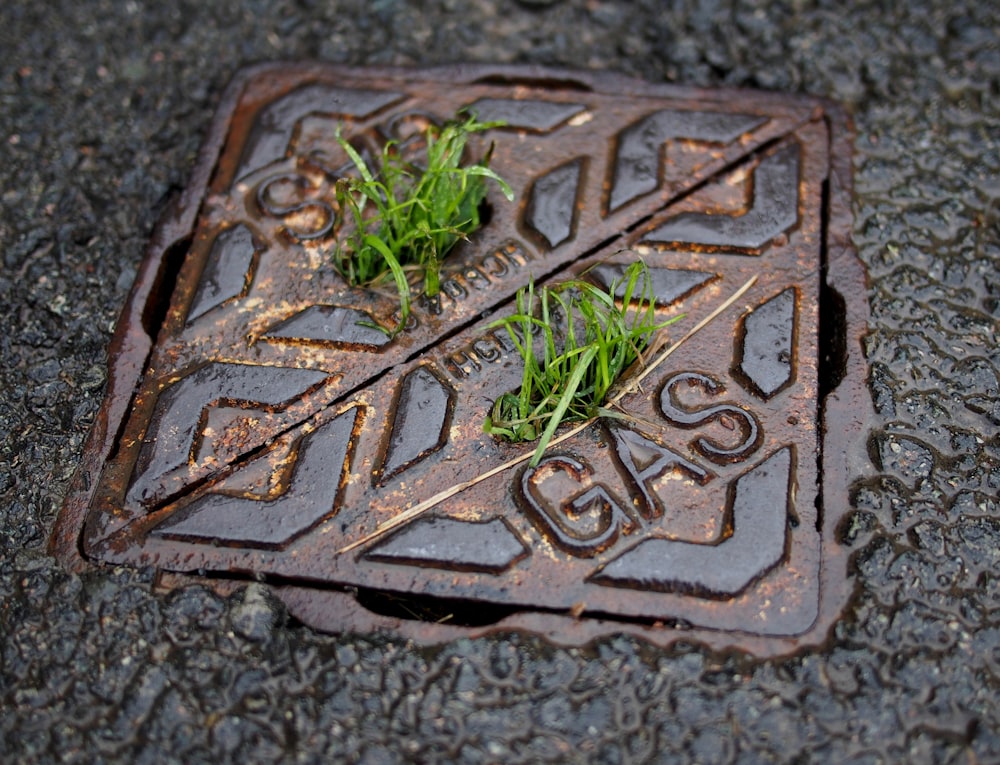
(476, 278)
(495, 265)
(486, 350)
(296, 200)
(728, 415)
(453, 289)
(645, 461)
(463, 363)
(582, 523)
(516, 254)
(502, 338)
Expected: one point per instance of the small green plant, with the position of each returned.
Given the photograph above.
(406, 217)
(570, 380)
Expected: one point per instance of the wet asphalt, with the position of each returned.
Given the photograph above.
(103, 106)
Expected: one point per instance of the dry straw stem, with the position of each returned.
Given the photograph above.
(629, 386)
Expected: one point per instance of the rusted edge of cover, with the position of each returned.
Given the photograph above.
(331, 605)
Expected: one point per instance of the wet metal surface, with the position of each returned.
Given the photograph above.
(270, 428)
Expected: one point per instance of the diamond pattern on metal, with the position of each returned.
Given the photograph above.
(768, 344)
(336, 326)
(753, 542)
(228, 271)
(638, 156)
(668, 285)
(310, 494)
(276, 424)
(488, 546)
(520, 113)
(278, 124)
(420, 426)
(773, 211)
(552, 203)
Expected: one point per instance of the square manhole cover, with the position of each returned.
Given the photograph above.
(257, 422)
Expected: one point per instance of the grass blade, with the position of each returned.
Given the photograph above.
(572, 380)
(419, 214)
(565, 400)
(398, 276)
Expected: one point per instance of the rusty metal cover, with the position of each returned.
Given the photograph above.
(257, 424)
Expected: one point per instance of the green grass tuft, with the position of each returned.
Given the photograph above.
(569, 380)
(408, 218)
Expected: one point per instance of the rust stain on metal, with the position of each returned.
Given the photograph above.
(256, 421)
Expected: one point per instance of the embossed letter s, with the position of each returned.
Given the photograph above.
(724, 413)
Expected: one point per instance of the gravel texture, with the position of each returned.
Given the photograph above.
(102, 108)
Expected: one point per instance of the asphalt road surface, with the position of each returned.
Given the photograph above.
(103, 106)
